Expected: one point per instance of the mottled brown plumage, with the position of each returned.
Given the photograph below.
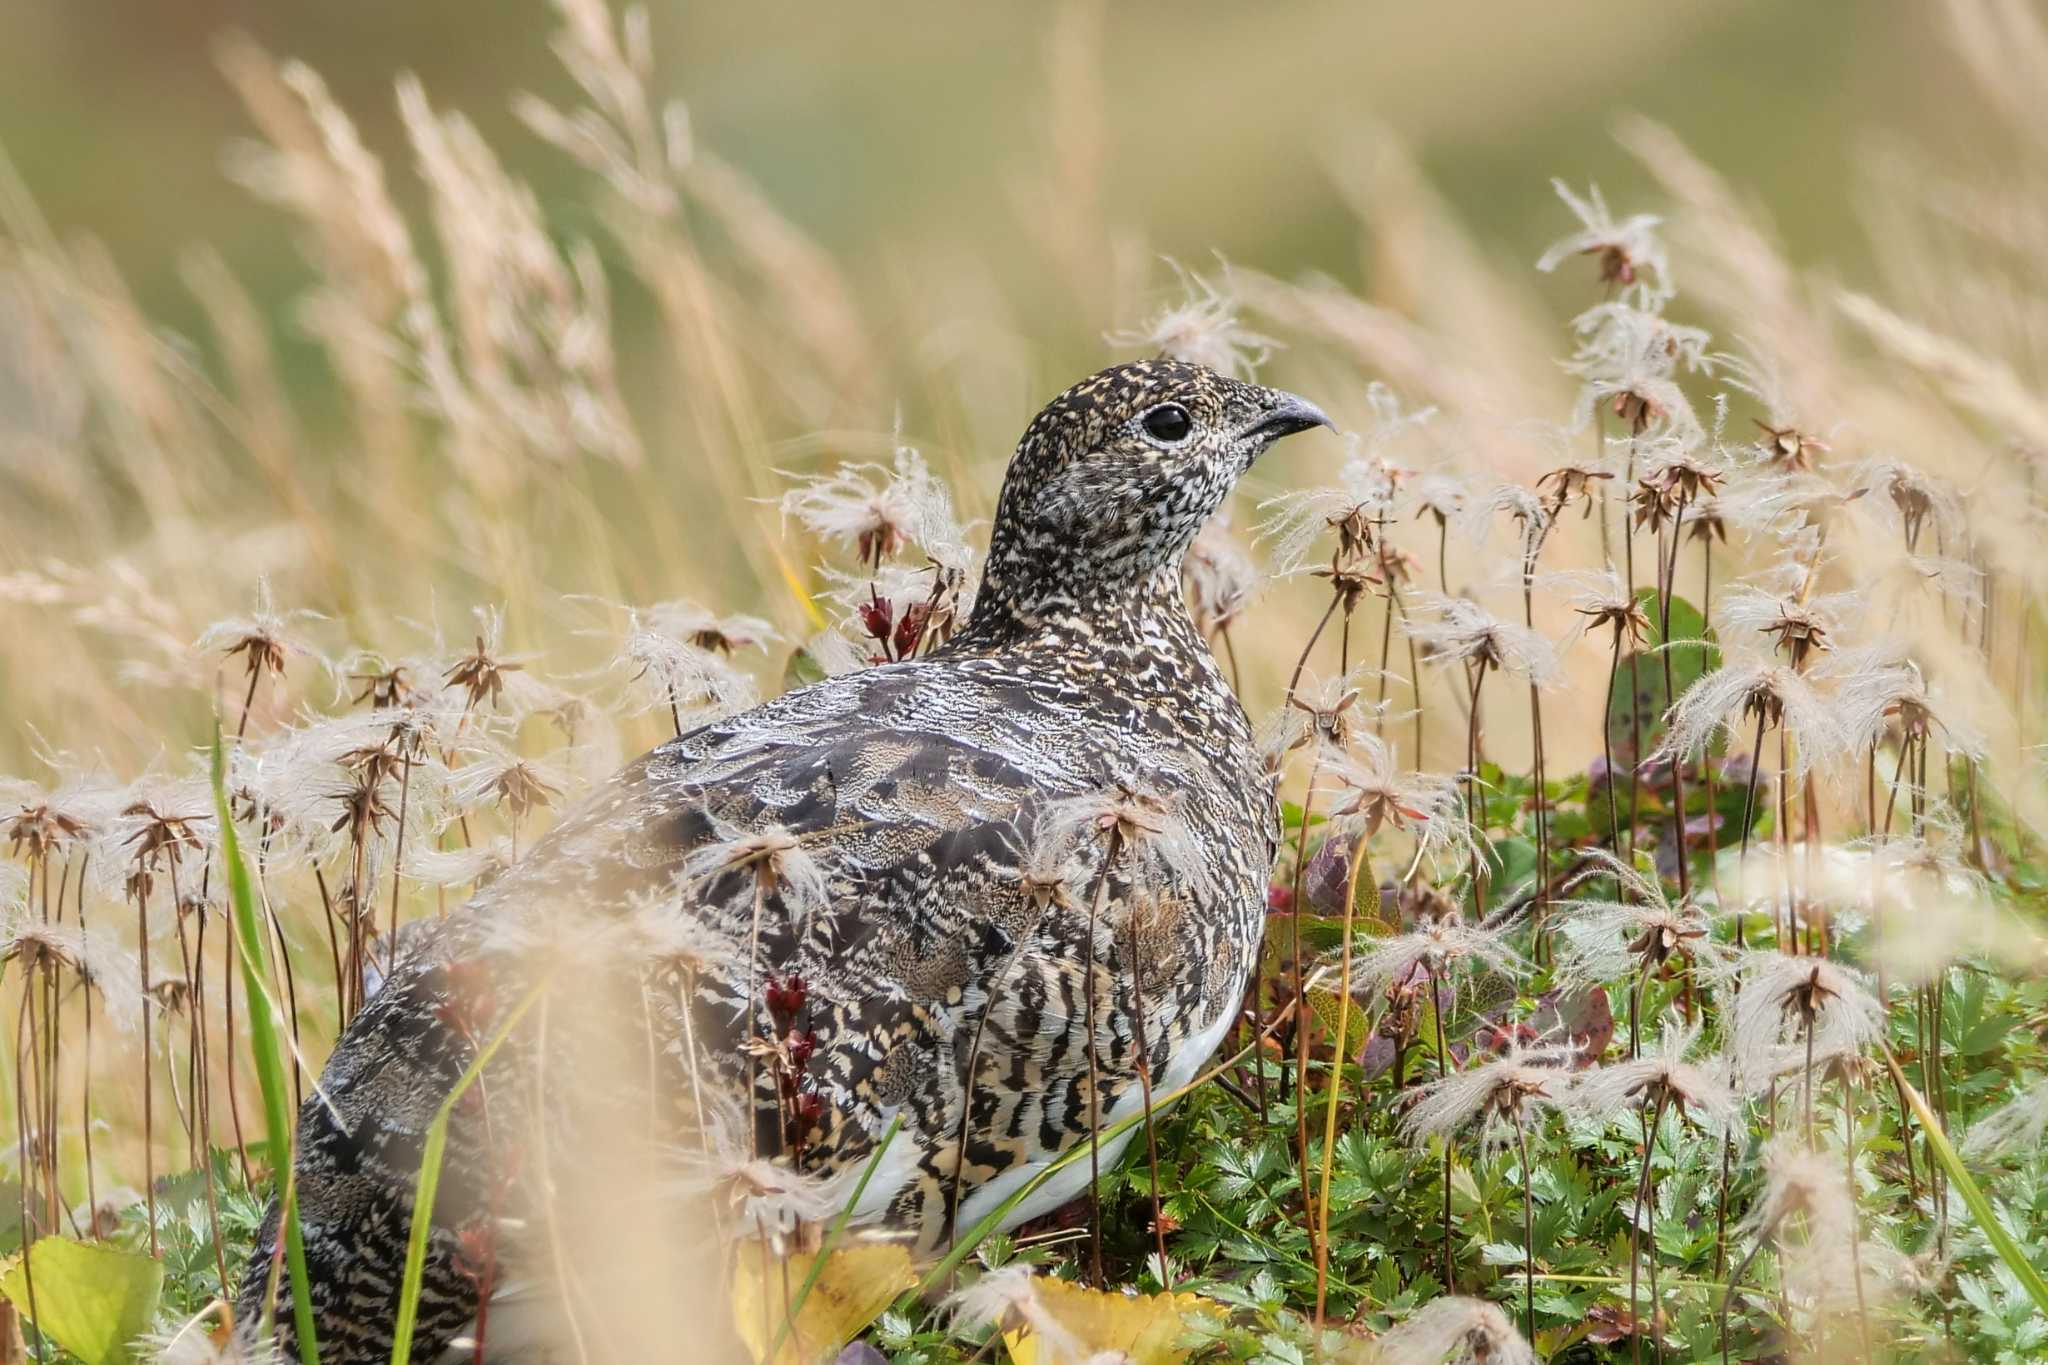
(894, 872)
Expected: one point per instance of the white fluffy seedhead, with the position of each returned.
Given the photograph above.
(1783, 998)
(1219, 577)
(1605, 941)
(1202, 328)
(1149, 827)
(877, 510)
(1454, 1331)
(1457, 630)
(1731, 699)
(1808, 1214)
(1629, 251)
(2015, 1128)
(1698, 1091)
(776, 858)
(1501, 1095)
(1447, 949)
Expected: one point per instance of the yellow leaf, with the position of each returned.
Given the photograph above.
(1141, 1328)
(856, 1284)
(90, 1299)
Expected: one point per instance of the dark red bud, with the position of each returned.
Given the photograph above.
(786, 998)
(876, 618)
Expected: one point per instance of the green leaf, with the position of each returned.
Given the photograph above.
(89, 1298)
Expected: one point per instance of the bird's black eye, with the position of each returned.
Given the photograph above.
(1169, 422)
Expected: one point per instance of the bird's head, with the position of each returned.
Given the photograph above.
(1115, 476)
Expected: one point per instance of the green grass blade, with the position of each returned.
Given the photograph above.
(1979, 1206)
(796, 1306)
(431, 1155)
(269, 1055)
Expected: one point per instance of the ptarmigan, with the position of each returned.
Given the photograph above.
(879, 881)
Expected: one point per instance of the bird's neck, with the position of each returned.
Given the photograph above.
(1096, 616)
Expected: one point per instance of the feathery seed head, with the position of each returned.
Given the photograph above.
(1218, 578)
(1202, 329)
(1008, 1296)
(264, 638)
(1455, 1331)
(1609, 940)
(1446, 948)
(1458, 630)
(1147, 827)
(1808, 1212)
(1697, 1092)
(1787, 449)
(480, 674)
(877, 511)
(2015, 1128)
(1629, 252)
(775, 857)
(1605, 601)
(1736, 694)
(1501, 1094)
(1784, 1000)
(1568, 483)
(1628, 359)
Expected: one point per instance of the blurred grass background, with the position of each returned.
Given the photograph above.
(994, 185)
(863, 123)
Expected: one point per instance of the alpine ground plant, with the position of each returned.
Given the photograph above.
(1654, 963)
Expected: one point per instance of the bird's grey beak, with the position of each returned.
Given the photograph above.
(1286, 414)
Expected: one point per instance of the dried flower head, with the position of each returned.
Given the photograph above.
(1202, 329)
(1349, 512)
(1455, 1331)
(264, 639)
(43, 826)
(1915, 498)
(774, 858)
(877, 511)
(1218, 577)
(212, 1338)
(694, 682)
(1735, 695)
(1787, 449)
(1628, 359)
(1008, 1298)
(1662, 1075)
(1457, 630)
(1569, 483)
(2015, 1128)
(1502, 1095)
(1808, 1212)
(1799, 626)
(1446, 949)
(1605, 602)
(1629, 252)
(1146, 825)
(1440, 497)
(1636, 935)
(480, 675)
(1786, 1001)
(1370, 792)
